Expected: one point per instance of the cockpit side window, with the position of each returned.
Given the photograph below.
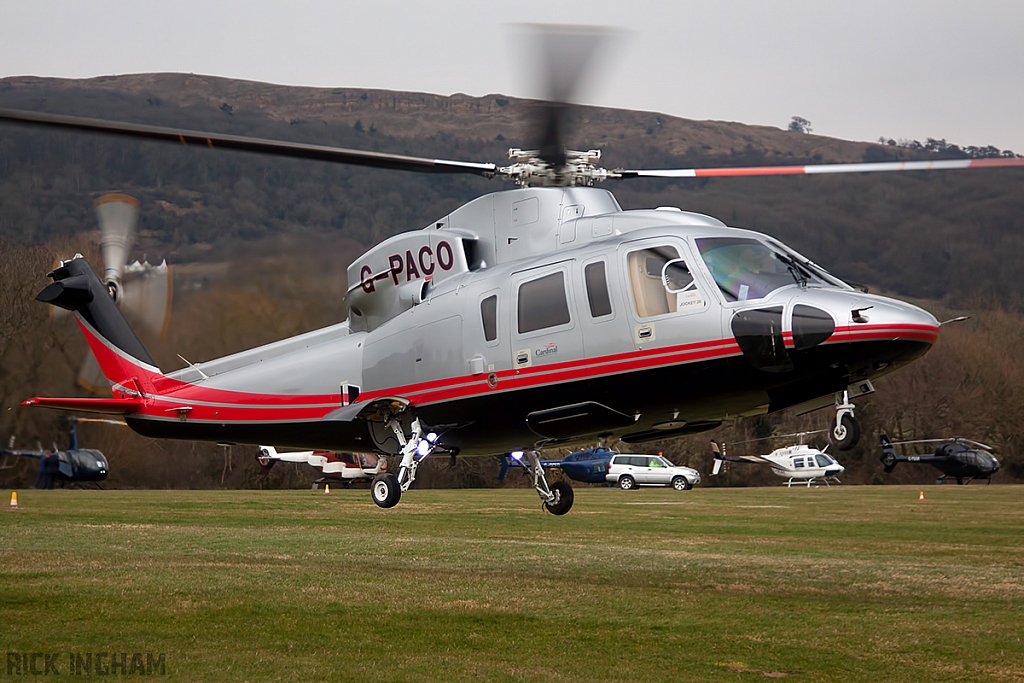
(823, 460)
(662, 282)
(645, 267)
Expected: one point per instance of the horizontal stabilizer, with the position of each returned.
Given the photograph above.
(108, 406)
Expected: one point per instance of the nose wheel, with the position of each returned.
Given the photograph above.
(844, 431)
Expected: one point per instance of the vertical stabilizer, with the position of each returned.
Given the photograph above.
(77, 288)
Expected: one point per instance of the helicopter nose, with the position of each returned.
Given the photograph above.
(880, 318)
(835, 471)
(895, 332)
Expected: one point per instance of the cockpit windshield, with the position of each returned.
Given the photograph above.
(746, 268)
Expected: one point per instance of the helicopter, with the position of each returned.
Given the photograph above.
(72, 466)
(527, 318)
(348, 468)
(797, 464)
(957, 458)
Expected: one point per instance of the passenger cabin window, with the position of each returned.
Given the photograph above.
(543, 303)
(489, 315)
(798, 462)
(597, 290)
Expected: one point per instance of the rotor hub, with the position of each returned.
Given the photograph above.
(580, 169)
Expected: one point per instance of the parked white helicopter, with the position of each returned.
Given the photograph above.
(347, 468)
(799, 464)
(527, 318)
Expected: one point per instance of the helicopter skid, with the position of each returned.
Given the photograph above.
(816, 481)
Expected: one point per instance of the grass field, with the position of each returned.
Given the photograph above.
(849, 583)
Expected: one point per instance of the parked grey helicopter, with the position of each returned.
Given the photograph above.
(958, 458)
(72, 466)
(533, 317)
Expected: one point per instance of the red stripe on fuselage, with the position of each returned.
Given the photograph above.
(223, 405)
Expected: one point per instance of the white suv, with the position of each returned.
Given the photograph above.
(630, 471)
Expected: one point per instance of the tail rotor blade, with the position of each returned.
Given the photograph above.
(117, 215)
(146, 296)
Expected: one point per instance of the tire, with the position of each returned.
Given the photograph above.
(627, 482)
(681, 484)
(385, 490)
(844, 434)
(563, 498)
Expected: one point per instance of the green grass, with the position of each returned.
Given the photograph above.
(850, 583)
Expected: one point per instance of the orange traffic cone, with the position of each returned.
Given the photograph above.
(327, 489)
(14, 501)
(921, 497)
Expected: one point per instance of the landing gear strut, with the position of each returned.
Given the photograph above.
(557, 497)
(387, 489)
(844, 431)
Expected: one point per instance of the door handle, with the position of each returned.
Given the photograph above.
(644, 332)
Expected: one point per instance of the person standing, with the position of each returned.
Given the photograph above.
(41, 475)
(52, 469)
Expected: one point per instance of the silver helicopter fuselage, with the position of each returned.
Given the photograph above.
(535, 316)
(542, 316)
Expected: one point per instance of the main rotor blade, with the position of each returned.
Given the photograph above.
(294, 150)
(817, 169)
(565, 52)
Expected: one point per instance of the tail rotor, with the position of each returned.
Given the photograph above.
(142, 290)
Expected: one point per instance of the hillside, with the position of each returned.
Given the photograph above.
(955, 234)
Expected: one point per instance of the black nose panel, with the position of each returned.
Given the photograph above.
(811, 326)
(759, 335)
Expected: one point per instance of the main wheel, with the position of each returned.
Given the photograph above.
(563, 498)
(385, 490)
(844, 434)
(627, 483)
(681, 484)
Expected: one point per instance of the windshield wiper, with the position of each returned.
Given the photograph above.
(795, 269)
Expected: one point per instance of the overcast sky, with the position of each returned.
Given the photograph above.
(858, 69)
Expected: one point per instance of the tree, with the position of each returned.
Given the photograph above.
(799, 125)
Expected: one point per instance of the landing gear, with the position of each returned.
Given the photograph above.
(558, 497)
(844, 431)
(563, 498)
(385, 490)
